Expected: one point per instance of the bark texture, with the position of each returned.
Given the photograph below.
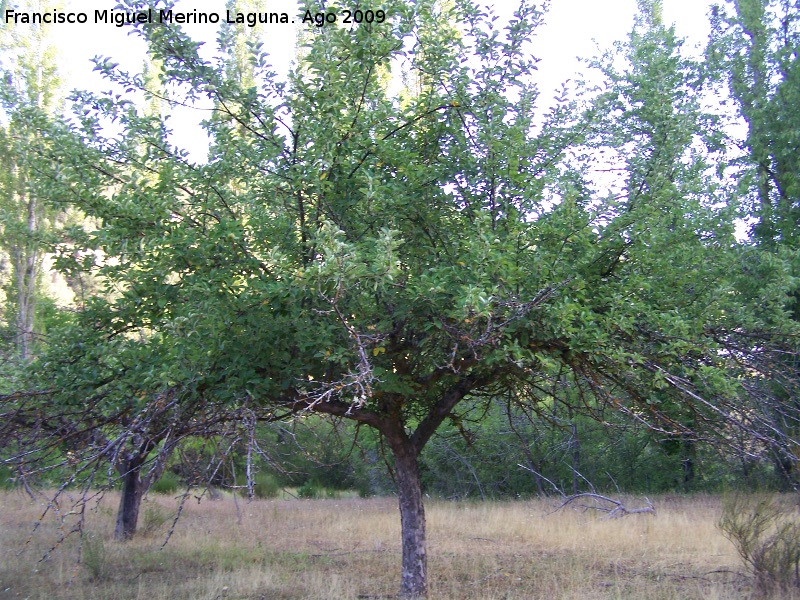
(414, 579)
(133, 489)
(27, 264)
(134, 486)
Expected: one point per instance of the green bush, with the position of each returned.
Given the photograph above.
(93, 556)
(166, 484)
(766, 534)
(309, 490)
(265, 486)
(153, 519)
(7, 479)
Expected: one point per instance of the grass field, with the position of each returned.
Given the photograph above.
(349, 548)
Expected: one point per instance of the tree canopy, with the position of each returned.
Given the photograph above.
(377, 251)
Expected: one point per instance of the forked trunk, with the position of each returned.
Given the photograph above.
(414, 581)
(405, 449)
(133, 489)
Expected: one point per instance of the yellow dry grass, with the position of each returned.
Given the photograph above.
(350, 548)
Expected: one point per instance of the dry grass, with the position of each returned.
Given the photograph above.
(349, 548)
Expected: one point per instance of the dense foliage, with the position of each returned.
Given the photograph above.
(414, 260)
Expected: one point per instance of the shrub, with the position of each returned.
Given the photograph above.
(93, 556)
(166, 484)
(265, 486)
(309, 490)
(766, 535)
(154, 517)
(7, 479)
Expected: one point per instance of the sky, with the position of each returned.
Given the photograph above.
(572, 29)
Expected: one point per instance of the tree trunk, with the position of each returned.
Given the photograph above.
(414, 580)
(26, 265)
(575, 445)
(406, 449)
(133, 489)
(688, 461)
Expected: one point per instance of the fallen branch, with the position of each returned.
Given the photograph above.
(615, 511)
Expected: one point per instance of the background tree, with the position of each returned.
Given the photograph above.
(658, 152)
(31, 92)
(754, 47)
(106, 429)
(755, 44)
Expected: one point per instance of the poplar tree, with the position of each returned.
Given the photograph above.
(755, 50)
(30, 95)
(755, 47)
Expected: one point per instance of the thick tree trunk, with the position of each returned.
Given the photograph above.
(406, 449)
(414, 580)
(133, 489)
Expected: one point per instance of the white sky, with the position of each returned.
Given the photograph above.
(572, 28)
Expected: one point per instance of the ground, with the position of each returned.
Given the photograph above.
(350, 548)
